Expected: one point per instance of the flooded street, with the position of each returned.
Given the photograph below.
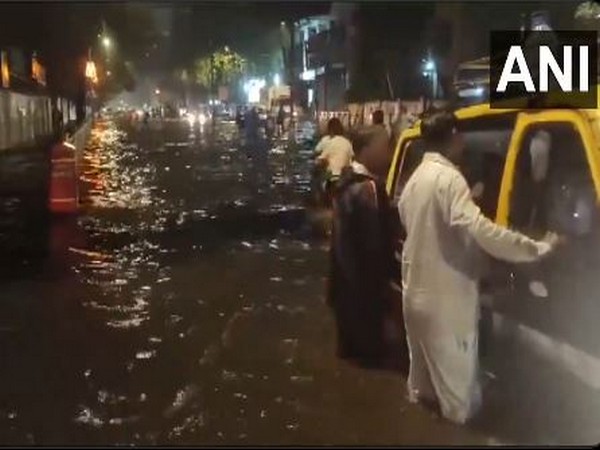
(186, 306)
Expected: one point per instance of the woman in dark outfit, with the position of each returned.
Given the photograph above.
(362, 251)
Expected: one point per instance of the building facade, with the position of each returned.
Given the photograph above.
(324, 57)
(305, 72)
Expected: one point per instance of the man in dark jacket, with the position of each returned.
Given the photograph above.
(362, 251)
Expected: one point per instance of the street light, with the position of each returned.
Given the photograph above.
(157, 91)
(430, 72)
(106, 42)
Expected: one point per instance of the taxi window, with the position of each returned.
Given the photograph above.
(412, 156)
(483, 162)
(553, 187)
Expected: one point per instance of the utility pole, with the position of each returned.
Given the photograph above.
(212, 83)
(523, 27)
(389, 84)
(292, 73)
(104, 37)
(185, 82)
(288, 60)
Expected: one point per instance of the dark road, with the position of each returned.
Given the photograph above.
(185, 306)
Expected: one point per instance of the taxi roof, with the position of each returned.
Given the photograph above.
(475, 111)
(485, 110)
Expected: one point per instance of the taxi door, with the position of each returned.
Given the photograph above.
(551, 183)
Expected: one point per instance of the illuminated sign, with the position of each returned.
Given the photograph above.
(561, 62)
(252, 88)
(90, 71)
(307, 75)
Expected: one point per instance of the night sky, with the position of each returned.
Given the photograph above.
(244, 26)
(273, 11)
(290, 10)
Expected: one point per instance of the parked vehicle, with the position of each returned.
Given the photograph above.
(471, 81)
(559, 296)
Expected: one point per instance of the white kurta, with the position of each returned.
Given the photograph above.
(441, 262)
(336, 151)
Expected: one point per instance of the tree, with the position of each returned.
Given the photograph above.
(588, 15)
(223, 67)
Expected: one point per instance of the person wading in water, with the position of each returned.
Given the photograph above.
(362, 251)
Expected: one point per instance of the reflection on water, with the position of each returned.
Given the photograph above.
(185, 306)
(183, 244)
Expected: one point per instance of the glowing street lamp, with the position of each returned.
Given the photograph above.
(106, 42)
(157, 91)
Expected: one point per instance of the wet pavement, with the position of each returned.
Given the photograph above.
(185, 306)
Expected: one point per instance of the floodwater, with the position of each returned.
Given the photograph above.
(185, 306)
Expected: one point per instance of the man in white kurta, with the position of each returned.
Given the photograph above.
(334, 150)
(446, 232)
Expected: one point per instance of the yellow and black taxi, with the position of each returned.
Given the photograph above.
(559, 296)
